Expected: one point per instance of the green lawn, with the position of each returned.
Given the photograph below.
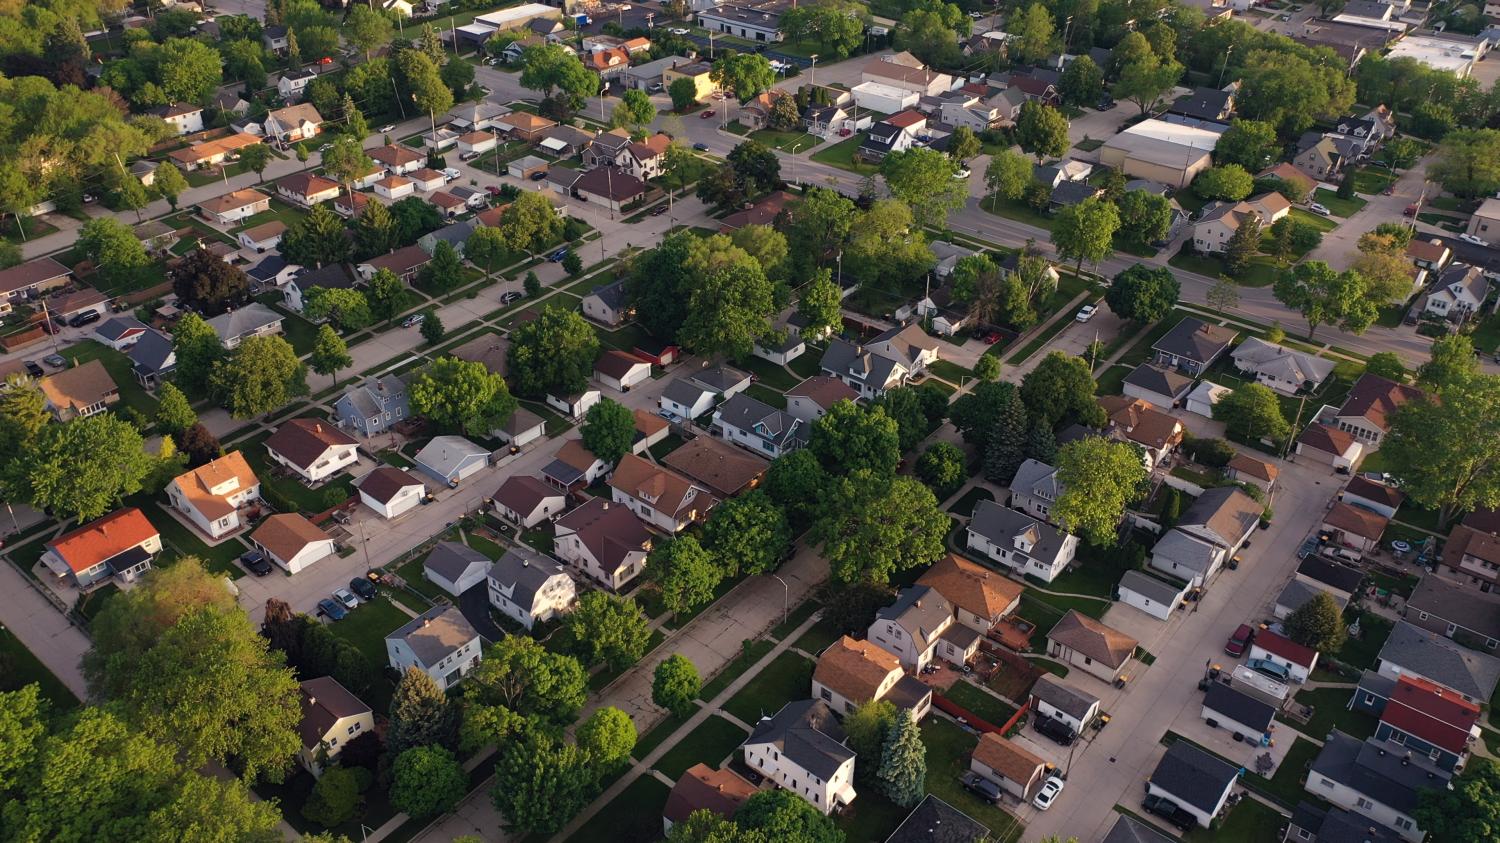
(1098, 572)
(1361, 652)
(948, 750)
(219, 558)
(637, 807)
(981, 702)
(1112, 380)
(367, 627)
(771, 375)
(412, 572)
(802, 141)
(1372, 179)
(1248, 822)
(289, 488)
(1015, 209)
(964, 506)
(23, 668)
(788, 677)
(1339, 207)
(1331, 712)
(132, 394)
(489, 548)
(1318, 221)
(1286, 784)
(766, 395)
(871, 819)
(809, 364)
(950, 371)
(1141, 351)
(841, 155)
(795, 619)
(817, 639)
(711, 742)
(278, 211)
(660, 732)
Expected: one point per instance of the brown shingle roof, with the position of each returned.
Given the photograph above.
(395, 155)
(616, 364)
(1378, 492)
(306, 184)
(703, 788)
(666, 491)
(522, 493)
(383, 483)
(285, 534)
(1006, 758)
(231, 201)
(79, 387)
(1359, 522)
(1465, 540)
(1246, 464)
(1374, 398)
(823, 391)
(1140, 421)
(1085, 635)
(1426, 250)
(525, 121)
(303, 441)
(971, 587)
(575, 454)
(30, 273)
(610, 532)
(324, 703)
(1326, 438)
(648, 424)
(854, 669)
(723, 468)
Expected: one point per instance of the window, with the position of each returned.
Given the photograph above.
(826, 694)
(1364, 803)
(1422, 616)
(1403, 823)
(1325, 783)
(1369, 699)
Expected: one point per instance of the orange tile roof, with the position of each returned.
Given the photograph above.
(855, 669)
(103, 539)
(972, 587)
(196, 484)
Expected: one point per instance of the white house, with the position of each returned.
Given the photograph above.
(1195, 781)
(1005, 763)
(608, 305)
(574, 406)
(331, 718)
(527, 501)
(521, 429)
(752, 424)
(782, 351)
(293, 83)
(1225, 707)
(121, 544)
(1297, 659)
(801, 748)
(312, 449)
(910, 346)
(605, 541)
(1054, 698)
(621, 370)
(390, 491)
(860, 367)
(212, 495)
(440, 642)
(1034, 489)
(686, 399)
(183, 118)
(1090, 646)
(851, 672)
(917, 627)
(663, 499)
(293, 123)
(1207, 534)
(451, 459)
(1284, 370)
(1459, 292)
(263, 237)
(121, 332)
(530, 587)
(1152, 595)
(1020, 542)
(292, 541)
(455, 568)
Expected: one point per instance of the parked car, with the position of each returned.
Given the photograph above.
(1239, 641)
(255, 562)
(332, 609)
(326, 60)
(1169, 811)
(468, 156)
(494, 190)
(451, 173)
(1474, 239)
(413, 320)
(677, 30)
(1105, 103)
(364, 588)
(1270, 668)
(1411, 211)
(1058, 731)
(1320, 210)
(962, 173)
(344, 596)
(539, 175)
(56, 361)
(659, 210)
(1308, 548)
(982, 787)
(701, 147)
(1048, 794)
(509, 296)
(557, 256)
(84, 319)
(706, 113)
(34, 370)
(386, 128)
(1086, 312)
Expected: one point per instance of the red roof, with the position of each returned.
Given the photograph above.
(1286, 648)
(1439, 717)
(906, 119)
(104, 539)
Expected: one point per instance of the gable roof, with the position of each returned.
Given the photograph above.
(1155, 588)
(227, 202)
(306, 184)
(921, 611)
(1193, 776)
(324, 702)
(1035, 479)
(617, 364)
(609, 532)
(720, 466)
(702, 788)
(451, 560)
(665, 491)
(1282, 363)
(195, 484)
(1258, 468)
(1128, 829)
(1195, 340)
(1286, 648)
(383, 483)
(1239, 707)
(1063, 697)
(1158, 380)
(286, 534)
(1333, 574)
(525, 571)
(1374, 398)
(754, 416)
(935, 821)
(1223, 515)
(523, 493)
(248, 319)
(1007, 758)
(1287, 172)
(116, 328)
(446, 454)
(806, 732)
(1418, 651)
(1326, 438)
(435, 634)
(1356, 520)
(102, 539)
(1140, 421)
(855, 669)
(823, 390)
(1381, 771)
(971, 587)
(78, 387)
(1421, 708)
(1476, 611)
(303, 441)
(859, 362)
(1092, 638)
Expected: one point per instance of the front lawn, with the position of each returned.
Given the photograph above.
(771, 374)
(1339, 207)
(219, 558)
(638, 806)
(1318, 221)
(1373, 179)
(792, 142)
(132, 394)
(964, 506)
(1248, 822)
(841, 155)
(711, 742)
(948, 751)
(1330, 711)
(23, 668)
(817, 639)
(950, 371)
(1360, 652)
(285, 487)
(1014, 209)
(785, 679)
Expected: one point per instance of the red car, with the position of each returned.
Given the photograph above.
(1239, 641)
(991, 338)
(1411, 211)
(325, 60)
(706, 114)
(492, 190)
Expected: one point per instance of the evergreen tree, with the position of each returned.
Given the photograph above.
(903, 763)
(432, 328)
(532, 285)
(1242, 245)
(1006, 448)
(1041, 445)
(421, 715)
(174, 414)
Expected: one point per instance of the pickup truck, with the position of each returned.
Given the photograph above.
(1169, 811)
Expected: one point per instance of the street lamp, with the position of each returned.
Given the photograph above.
(1227, 51)
(813, 80)
(786, 598)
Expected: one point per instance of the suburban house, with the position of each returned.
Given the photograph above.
(1259, 473)
(1020, 542)
(293, 123)
(1330, 445)
(609, 186)
(1297, 659)
(1192, 346)
(1354, 527)
(212, 152)
(1365, 413)
(604, 540)
(1428, 720)
(292, 85)
(1311, 822)
(686, 399)
(183, 118)
(1458, 293)
(455, 567)
(725, 381)
(252, 320)
(1419, 654)
(1196, 781)
(914, 626)
(30, 279)
(121, 544)
(1485, 222)
(230, 208)
(663, 499)
(263, 237)
(530, 587)
(1127, 829)
(79, 392)
(1090, 646)
(645, 159)
(1430, 255)
(1034, 489)
(1053, 698)
(306, 189)
(1134, 420)
(1156, 385)
(452, 459)
(852, 672)
(212, 495)
(1153, 595)
(390, 491)
(1296, 593)
(152, 357)
(910, 346)
(1318, 157)
(1217, 225)
(574, 467)
(1378, 779)
(980, 598)
(312, 449)
(373, 407)
(440, 642)
(398, 160)
(1471, 618)
(811, 399)
(608, 305)
(526, 501)
(621, 370)
(702, 788)
(1284, 370)
(1471, 557)
(860, 367)
(121, 332)
(292, 541)
(1004, 762)
(1208, 533)
(404, 263)
(935, 821)
(331, 718)
(882, 139)
(1246, 717)
(752, 424)
(801, 748)
(1338, 580)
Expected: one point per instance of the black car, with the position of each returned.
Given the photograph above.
(34, 370)
(364, 588)
(1169, 811)
(256, 563)
(84, 319)
(1105, 103)
(701, 147)
(982, 787)
(1055, 729)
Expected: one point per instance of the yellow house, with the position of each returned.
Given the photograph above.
(697, 71)
(331, 718)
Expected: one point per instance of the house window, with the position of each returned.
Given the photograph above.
(1369, 699)
(1325, 783)
(1398, 737)
(1403, 823)
(826, 695)
(1364, 803)
(1423, 616)
(1304, 834)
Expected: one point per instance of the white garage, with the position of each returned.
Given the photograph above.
(1152, 595)
(452, 458)
(1203, 398)
(455, 568)
(291, 541)
(1226, 708)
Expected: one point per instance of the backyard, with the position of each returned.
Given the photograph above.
(786, 678)
(1330, 711)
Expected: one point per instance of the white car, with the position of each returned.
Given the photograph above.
(413, 320)
(386, 128)
(1086, 312)
(451, 173)
(1474, 238)
(962, 173)
(1319, 210)
(1048, 794)
(677, 30)
(343, 595)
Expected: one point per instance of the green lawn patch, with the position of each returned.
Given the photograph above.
(286, 487)
(24, 668)
(871, 819)
(766, 395)
(411, 572)
(1112, 380)
(1372, 180)
(1141, 351)
(1330, 711)
(817, 639)
(841, 155)
(772, 375)
(981, 702)
(91, 604)
(950, 371)
(1014, 209)
(1361, 652)
(367, 627)
(948, 751)
(785, 679)
(1286, 784)
(792, 142)
(964, 506)
(711, 742)
(1339, 207)
(795, 619)
(132, 394)
(1247, 822)
(1318, 221)
(218, 558)
(809, 363)
(660, 732)
(1088, 144)
(1097, 573)
(637, 807)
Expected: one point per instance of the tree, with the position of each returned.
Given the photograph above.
(1253, 412)
(743, 74)
(835, 26)
(1291, 92)
(675, 685)
(173, 413)
(432, 328)
(200, 446)
(1061, 387)
(1443, 473)
(530, 223)
(1143, 295)
(684, 572)
(1145, 81)
(532, 285)
(572, 263)
(817, 226)
(635, 111)
(1082, 82)
(964, 145)
(1242, 245)
(1318, 624)
(923, 179)
(795, 482)
(374, 231)
(257, 158)
(609, 628)
(114, 250)
(608, 736)
(871, 530)
(561, 77)
(755, 165)
(1005, 448)
(783, 116)
(1324, 296)
(1384, 265)
(444, 272)
(1227, 182)
(987, 367)
(684, 93)
(1032, 34)
(1085, 231)
(198, 351)
(207, 284)
(747, 534)
(84, 468)
(329, 353)
(850, 438)
(1145, 217)
(385, 293)
(928, 31)
(1452, 362)
(821, 305)
(554, 352)
(943, 467)
(705, 826)
(782, 815)
(335, 798)
(462, 394)
(1007, 174)
(886, 250)
(904, 404)
(345, 161)
(521, 676)
(424, 81)
(427, 780)
(261, 375)
(609, 430)
(903, 763)
(1222, 296)
(1042, 130)
(1248, 144)
(23, 725)
(1464, 810)
(317, 239)
(169, 183)
(367, 29)
(1291, 238)
(1467, 163)
(540, 783)
(1386, 365)
(457, 76)
(729, 307)
(1098, 478)
(346, 308)
(865, 729)
(421, 714)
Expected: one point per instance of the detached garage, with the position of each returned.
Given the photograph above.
(452, 458)
(620, 371)
(291, 541)
(1156, 597)
(1160, 387)
(1247, 717)
(455, 568)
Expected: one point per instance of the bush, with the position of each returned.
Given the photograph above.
(1213, 453)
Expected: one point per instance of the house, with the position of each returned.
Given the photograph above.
(1051, 697)
(522, 125)
(1485, 221)
(306, 189)
(608, 304)
(1192, 346)
(252, 320)
(725, 381)
(565, 141)
(121, 332)
(882, 139)
(757, 112)
(1469, 617)
(574, 467)
(121, 544)
(935, 821)
(79, 392)
(663, 499)
(811, 399)
(183, 118)
(1431, 255)
(398, 160)
(272, 271)
(912, 627)
(1156, 385)
(604, 540)
(1354, 527)
(1341, 581)
(825, 120)
(521, 429)
(1419, 654)
(404, 263)
(1090, 646)
(1196, 781)
(293, 123)
(1212, 530)
(440, 642)
(909, 345)
(1365, 413)
(230, 208)
(850, 673)
(452, 458)
(981, 598)
(1136, 421)
(1376, 778)
(1458, 293)
(530, 587)
(29, 279)
(1247, 718)
(292, 85)
(906, 72)
(1153, 595)
(650, 429)
(686, 399)
(759, 427)
(1296, 594)
(527, 501)
(1291, 175)
(621, 370)
(609, 186)
(645, 159)
(801, 748)
(1003, 762)
(1318, 158)
(67, 305)
(292, 541)
(152, 357)
(1311, 822)
(447, 204)
(427, 179)
(700, 73)
(330, 277)
(1259, 473)
(1020, 542)
(1284, 370)
(702, 788)
(331, 718)
(392, 188)
(1429, 721)
(1058, 172)
(454, 234)
(1170, 153)
(1210, 105)
(1070, 193)
(780, 348)
(312, 449)
(212, 495)
(263, 237)
(1034, 489)
(1297, 659)
(374, 406)
(1127, 829)
(1472, 555)
(1330, 445)
(722, 469)
(607, 148)
(1216, 226)
(455, 567)
(390, 491)
(862, 369)
(574, 406)
(211, 153)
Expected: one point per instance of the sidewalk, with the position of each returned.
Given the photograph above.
(44, 630)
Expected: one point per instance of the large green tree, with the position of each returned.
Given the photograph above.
(1446, 450)
(1467, 809)
(261, 375)
(850, 438)
(329, 353)
(427, 780)
(559, 75)
(923, 179)
(872, 530)
(553, 353)
(1061, 387)
(608, 736)
(609, 430)
(684, 572)
(114, 250)
(1467, 163)
(609, 628)
(1142, 294)
(541, 782)
(1098, 478)
(1145, 217)
(903, 763)
(1322, 296)
(86, 467)
(1086, 231)
(1007, 174)
(527, 679)
(1251, 144)
(462, 394)
(1253, 412)
(421, 714)
(743, 74)
(1145, 81)
(730, 305)
(1318, 623)
(317, 239)
(1041, 130)
(747, 533)
(674, 685)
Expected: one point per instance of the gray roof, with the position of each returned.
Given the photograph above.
(1380, 771)
(1160, 381)
(806, 732)
(450, 560)
(1000, 525)
(654, 69)
(1193, 776)
(1203, 104)
(1286, 364)
(1371, 682)
(685, 392)
(332, 276)
(1223, 514)
(1152, 187)
(521, 421)
(435, 634)
(752, 416)
(1241, 708)
(373, 397)
(719, 378)
(269, 267)
(1440, 660)
(1063, 697)
(444, 455)
(1035, 478)
(248, 319)
(849, 360)
(1469, 277)
(525, 571)
(1156, 589)
(1296, 593)
(1336, 825)
(454, 234)
(116, 327)
(1335, 575)
(613, 295)
(960, 636)
(1072, 192)
(1130, 830)
(150, 352)
(935, 821)
(919, 610)
(1195, 340)
(1187, 551)
(1473, 610)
